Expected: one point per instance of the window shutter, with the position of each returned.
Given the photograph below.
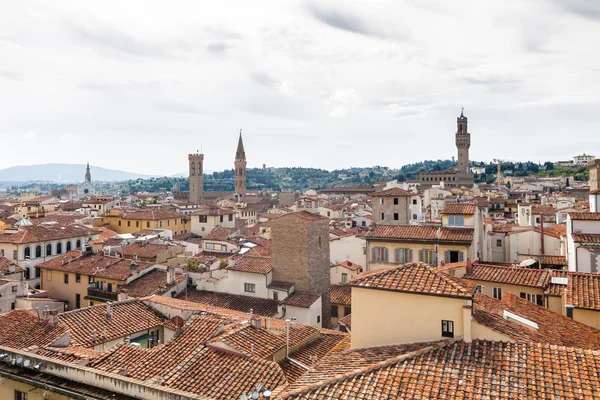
(398, 256)
(374, 254)
(409, 256)
(422, 255)
(386, 257)
(461, 256)
(447, 256)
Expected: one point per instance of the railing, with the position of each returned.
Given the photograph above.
(102, 294)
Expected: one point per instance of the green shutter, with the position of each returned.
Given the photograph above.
(409, 256)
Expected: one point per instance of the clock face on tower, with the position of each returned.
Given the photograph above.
(86, 191)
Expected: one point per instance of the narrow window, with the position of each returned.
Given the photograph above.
(396, 217)
(66, 278)
(497, 293)
(77, 278)
(249, 287)
(447, 328)
(334, 311)
(395, 201)
(344, 277)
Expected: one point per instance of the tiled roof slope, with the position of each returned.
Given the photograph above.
(148, 250)
(40, 233)
(583, 290)
(588, 216)
(510, 275)
(587, 238)
(252, 264)
(393, 192)
(476, 370)
(416, 232)
(20, 329)
(301, 299)
(416, 278)
(261, 306)
(5, 264)
(150, 283)
(340, 294)
(127, 317)
(553, 328)
(348, 265)
(459, 208)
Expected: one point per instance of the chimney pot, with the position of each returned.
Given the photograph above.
(469, 266)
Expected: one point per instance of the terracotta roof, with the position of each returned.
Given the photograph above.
(221, 233)
(127, 317)
(586, 216)
(20, 329)
(304, 215)
(393, 192)
(543, 210)
(95, 265)
(583, 290)
(301, 299)
(41, 233)
(5, 264)
(510, 275)
(415, 278)
(252, 264)
(587, 238)
(281, 285)
(348, 265)
(341, 294)
(459, 208)
(480, 369)
(553, 328)
(214, 211)
(416, 232)
(547, 259)
(150, 283)
(259, 305)
(153, 215)
(346, 321)
(145, 251)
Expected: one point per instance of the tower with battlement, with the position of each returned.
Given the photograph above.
(463, 143)
(196, 170)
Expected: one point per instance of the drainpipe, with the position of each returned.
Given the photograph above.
(287, 338)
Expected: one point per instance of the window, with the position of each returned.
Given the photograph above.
(275, 295)
(414, 216)
(13, 305)
(15, 255)
(427, 256)
(395, 201)
(569, 311)
(49, 275)
(379, 254)
(415, 201)
(20, 395)
(67, 278)
(319, 241)
(128, 223)
(91, 279)
(396, 217)
(498, 242)
(59, 248)
(137, 224)
(403, 256)
(119, 223)
(202, 219)
(231, 217)
(318, 319)
(344, 277)
(451, 256)
(27, 253)
(91, 303)
(447, 328)
(69, 245)
(250, 287)
(382, 216)
(37, 272)
(147, 224)
(77, 278)
(347, 310)
(77, 300)
(220, 218)
(38, 251)
(534, 298)
(497, 293)
(109, 287)
(456, 220)
(160, 224)
(334, 311)
(209, 246)
(168, 222)
(381, 200)
(329, 213)
(78, 244)
(27, 273)
(49, 249)
(13, 289)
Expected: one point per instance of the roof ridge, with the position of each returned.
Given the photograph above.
(381, 272)
(448, 279)
(372, 367)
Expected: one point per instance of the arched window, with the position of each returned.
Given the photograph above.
(69, 245)
(58, 248)
(37, 274)
(38, 251)
(49, 249)
(27, 273)
(27, 253)
(193, 168)
(78, 244)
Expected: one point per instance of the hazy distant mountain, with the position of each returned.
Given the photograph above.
(64, 173)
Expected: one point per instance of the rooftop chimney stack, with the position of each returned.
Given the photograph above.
(469, 266)
(170, 275)
(108, 311)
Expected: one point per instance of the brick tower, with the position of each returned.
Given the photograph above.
(463, 142)
(196, 163)
(240, 168)
(300, 254)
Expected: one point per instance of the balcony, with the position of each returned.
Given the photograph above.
(102, 295)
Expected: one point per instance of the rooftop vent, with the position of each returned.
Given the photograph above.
(521, 320)
(558, 280)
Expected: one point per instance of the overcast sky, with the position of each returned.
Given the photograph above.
(137, 85)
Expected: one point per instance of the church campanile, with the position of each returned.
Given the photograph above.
(463, 143)
(240, 168)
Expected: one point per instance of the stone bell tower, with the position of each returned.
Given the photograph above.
(196, 171)
(240, 168)
(463, 143)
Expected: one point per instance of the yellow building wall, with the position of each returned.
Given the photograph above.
(588, 317)
(487, 288)
(415, 247)
(382, 317)
(555, 304)
(469, 220)
(8, 387)
(121, 225)
(482, 332)
(54, 282)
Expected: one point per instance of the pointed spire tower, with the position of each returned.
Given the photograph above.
(240, 168)
(88, 174)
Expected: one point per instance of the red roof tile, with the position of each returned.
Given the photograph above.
(510, 275)
(415, 232)
(587, 238)
(260, 306)
(459, 208)
(252, 264)
(393, 192)
(341, 294)
(585, 216)
(301, 299)
(41, 233)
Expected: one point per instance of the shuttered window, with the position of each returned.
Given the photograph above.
(403, 256)
(379, 254)
(427, 256)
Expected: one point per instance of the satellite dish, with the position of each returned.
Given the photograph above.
(255, 395)
(19, 360)
(27, 363)
(243, 397)
(527, 263)
(267, 393)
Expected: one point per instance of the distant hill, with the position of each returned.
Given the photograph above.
(64, 173)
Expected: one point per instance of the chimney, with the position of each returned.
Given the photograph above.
(53, 317)
(256, 322)
(170, 275)
(134, 267)
(293, 322)
(108, 311)
(251, 314)
(65, 260)
(469, 266)
(94, 335)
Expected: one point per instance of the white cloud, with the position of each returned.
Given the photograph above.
(29, 135)
(338, 112)
(346, 96)
(287, 88)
